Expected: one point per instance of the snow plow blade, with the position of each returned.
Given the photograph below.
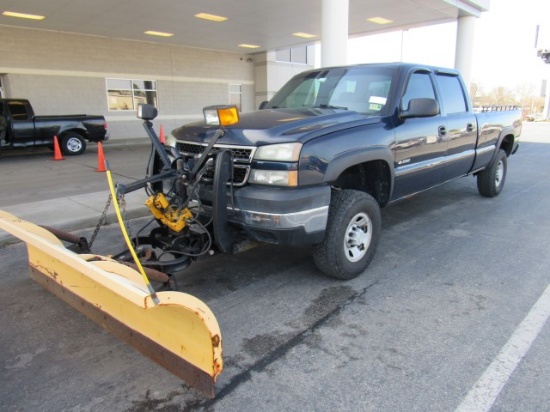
(180, 332)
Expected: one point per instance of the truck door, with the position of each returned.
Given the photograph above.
(22, 124)
(420, 144)
(461, 130)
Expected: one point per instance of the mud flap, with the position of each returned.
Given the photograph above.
(180, 333)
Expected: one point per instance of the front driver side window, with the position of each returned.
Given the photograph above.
(419, 86)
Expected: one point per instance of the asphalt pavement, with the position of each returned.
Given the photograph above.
(451, 315)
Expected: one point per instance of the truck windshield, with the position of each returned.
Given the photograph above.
(361, 89)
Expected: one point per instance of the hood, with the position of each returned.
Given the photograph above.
(277, 126)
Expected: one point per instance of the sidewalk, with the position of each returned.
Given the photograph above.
(71, 195)
(76, 212)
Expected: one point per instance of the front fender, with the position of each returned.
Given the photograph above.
(351, 158)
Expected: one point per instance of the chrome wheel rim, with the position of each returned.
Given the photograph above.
(358, 237)
(499, 175)
(74, 144)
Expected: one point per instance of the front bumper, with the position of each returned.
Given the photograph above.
(283, 216)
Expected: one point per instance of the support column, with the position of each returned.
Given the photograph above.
(546, 111)
(334, 32)
(464, 46)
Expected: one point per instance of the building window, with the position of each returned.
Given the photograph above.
(283, 56)
(126, 94)
(235, 95)
(292, 55)
(298, 55)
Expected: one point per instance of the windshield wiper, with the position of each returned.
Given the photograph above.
(329, 106)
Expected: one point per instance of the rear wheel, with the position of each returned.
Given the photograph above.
(351, 237)
(491, 180)
(72, 144)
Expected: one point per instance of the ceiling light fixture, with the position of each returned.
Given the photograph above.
(211, 17)
(380, 20)
(158, 33)
(249, 46)
(23, 15)
(304, 35)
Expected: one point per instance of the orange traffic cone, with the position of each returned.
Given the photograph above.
(100, 158)
(56, 150)
(161, 137)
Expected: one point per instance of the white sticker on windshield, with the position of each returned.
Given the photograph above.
(378, 100)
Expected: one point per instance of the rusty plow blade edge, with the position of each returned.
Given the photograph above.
(180, 333)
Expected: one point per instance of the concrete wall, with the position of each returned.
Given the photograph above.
(62, 73)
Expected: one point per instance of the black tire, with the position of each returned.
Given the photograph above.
(72, 144)
(491, 180)
(351, 237)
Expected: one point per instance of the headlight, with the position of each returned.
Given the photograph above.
(171, 140)
(284, 152)
(274, 177)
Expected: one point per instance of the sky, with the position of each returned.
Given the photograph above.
(504, 52)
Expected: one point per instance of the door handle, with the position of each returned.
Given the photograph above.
(470, 127)
(442, 131)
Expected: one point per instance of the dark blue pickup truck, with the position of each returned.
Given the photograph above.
(24, 129)
(317, 162)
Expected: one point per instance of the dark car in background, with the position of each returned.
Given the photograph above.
(24, 129)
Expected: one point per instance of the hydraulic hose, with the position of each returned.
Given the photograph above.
(127, 237)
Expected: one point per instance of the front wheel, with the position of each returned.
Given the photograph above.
(351, 237)
(73, 144)
(491, 180)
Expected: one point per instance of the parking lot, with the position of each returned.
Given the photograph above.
(450, 314)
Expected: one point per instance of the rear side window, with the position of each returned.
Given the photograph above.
(17, 110)
(419, 86)
(452, 94)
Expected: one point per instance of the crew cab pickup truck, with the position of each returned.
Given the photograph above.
(24, 129)
(316, 163)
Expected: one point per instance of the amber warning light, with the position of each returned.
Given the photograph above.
(221, 115)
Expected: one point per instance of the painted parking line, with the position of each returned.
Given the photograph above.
(483, 394)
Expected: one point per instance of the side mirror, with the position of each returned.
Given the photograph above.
(423, 107)
(146, 111)
(263, 105)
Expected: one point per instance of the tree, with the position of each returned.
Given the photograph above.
(501, 96)
(525, 93)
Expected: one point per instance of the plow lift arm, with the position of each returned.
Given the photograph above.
(174, 329)
(148, 113)
(185, 232)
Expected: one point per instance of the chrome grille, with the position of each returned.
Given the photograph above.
(240, 153)
(240, 175)
(242, 157)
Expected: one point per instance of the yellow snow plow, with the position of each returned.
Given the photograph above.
(179, 331)
(175, 329)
